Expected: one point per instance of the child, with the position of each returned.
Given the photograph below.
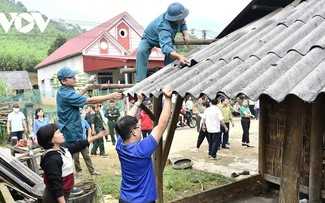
(57, 162)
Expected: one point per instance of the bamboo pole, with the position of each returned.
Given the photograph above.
(108, 86)
(262, 135)
(150, 114)
(316, 150)
(195, 42)
(171, 130)
(292, 150)
(133, 70)
(157, 156)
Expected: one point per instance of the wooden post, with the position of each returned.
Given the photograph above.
(292, 149)
(262, 134)
(171, 129)
(145, 109)
(316, 150)
(157, 156)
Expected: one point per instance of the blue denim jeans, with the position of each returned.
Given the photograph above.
(144, 51)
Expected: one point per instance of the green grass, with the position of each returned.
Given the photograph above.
(177, 183)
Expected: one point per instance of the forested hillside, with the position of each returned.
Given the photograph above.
(23, 51)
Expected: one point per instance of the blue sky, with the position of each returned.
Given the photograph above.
(210, 15)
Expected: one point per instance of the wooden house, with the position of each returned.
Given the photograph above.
(103, 51)
(272, 51)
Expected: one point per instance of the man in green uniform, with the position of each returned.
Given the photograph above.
(97, 125)
(112, 114)
(226, 110)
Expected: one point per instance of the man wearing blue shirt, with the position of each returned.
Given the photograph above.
(69, 102)
(138, 179)
(161, 33)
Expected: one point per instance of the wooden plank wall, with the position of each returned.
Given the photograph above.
(275, 129)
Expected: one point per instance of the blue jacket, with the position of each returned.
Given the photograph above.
(68, 103)
(161, 33)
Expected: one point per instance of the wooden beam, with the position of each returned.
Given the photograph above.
(133, 70)
(171, 130)
(150, 114)
(316, 150)
(292, 149)
(195, 42)
(5, 195)
(157, 156)
(262, 136)
(108, 86)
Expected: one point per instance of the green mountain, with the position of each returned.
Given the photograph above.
(23, 51)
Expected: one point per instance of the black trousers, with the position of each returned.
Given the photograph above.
(201, 136)
(245, 124)
(214, 139)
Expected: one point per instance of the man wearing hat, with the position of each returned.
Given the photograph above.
(112, 114)
(69, 102)
(161, 33)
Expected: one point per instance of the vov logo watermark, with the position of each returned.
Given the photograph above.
(23, 22)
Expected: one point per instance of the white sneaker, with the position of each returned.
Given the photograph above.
(196, 150)
(95, 173)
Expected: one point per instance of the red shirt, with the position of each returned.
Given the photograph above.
(146, 122)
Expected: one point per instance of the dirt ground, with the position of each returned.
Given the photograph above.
(236, 159)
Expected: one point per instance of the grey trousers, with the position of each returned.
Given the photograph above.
(87, 159)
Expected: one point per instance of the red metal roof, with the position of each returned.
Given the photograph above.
(76, 45)
(92, 63)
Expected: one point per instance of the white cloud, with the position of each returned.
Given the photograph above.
(204, 14)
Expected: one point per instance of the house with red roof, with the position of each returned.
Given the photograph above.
(103, 51)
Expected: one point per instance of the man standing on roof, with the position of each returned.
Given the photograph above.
(161, 33)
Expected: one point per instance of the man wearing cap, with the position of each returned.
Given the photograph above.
(161, 33)
(68, 102)
(112, 114)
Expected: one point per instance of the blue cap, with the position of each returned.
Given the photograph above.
(176, 11)
(65, 72)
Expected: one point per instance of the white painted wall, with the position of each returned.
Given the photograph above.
(46, 73)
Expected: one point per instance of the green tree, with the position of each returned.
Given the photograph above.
(184, 49)
(59, 41)
(3, 88)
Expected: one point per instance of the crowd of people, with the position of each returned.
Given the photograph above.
(215, 119)
(133, 135)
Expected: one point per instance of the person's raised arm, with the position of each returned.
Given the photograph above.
(97, 136)
(136, 105)
(158, 131)
(100, 99)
